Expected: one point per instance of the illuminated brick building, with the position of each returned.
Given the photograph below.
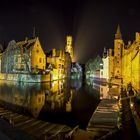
(25, 56)
(35, 53)
(131, 63)
(56, 59)
(61, 60)
(124, 65)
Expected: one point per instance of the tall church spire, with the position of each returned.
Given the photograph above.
(118, 34)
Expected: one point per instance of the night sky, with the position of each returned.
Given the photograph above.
(91, 23)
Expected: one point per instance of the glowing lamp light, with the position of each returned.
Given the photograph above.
(131, 104)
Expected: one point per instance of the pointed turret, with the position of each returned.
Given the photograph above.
(118, 34)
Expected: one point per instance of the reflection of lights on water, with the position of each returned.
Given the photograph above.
(60, 75)
(63, 81)
(131, 104)
(63, 76)
(68, 106)
(71, 92)
(120, 104)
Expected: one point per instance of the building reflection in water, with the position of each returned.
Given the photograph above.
(109, 93)
(62, 101)
(68, 103)
(54, 97)
(104, 90)
(22, 97)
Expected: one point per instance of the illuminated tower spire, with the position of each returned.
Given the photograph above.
(69, 47)
(118, 50)
(118, 34)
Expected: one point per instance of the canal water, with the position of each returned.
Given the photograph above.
(70, 102)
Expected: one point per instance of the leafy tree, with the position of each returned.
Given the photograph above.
(94, 64)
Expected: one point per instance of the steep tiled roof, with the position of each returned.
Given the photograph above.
(27, 43)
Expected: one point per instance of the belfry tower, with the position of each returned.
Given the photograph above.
(118, 48)
(69, 47)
